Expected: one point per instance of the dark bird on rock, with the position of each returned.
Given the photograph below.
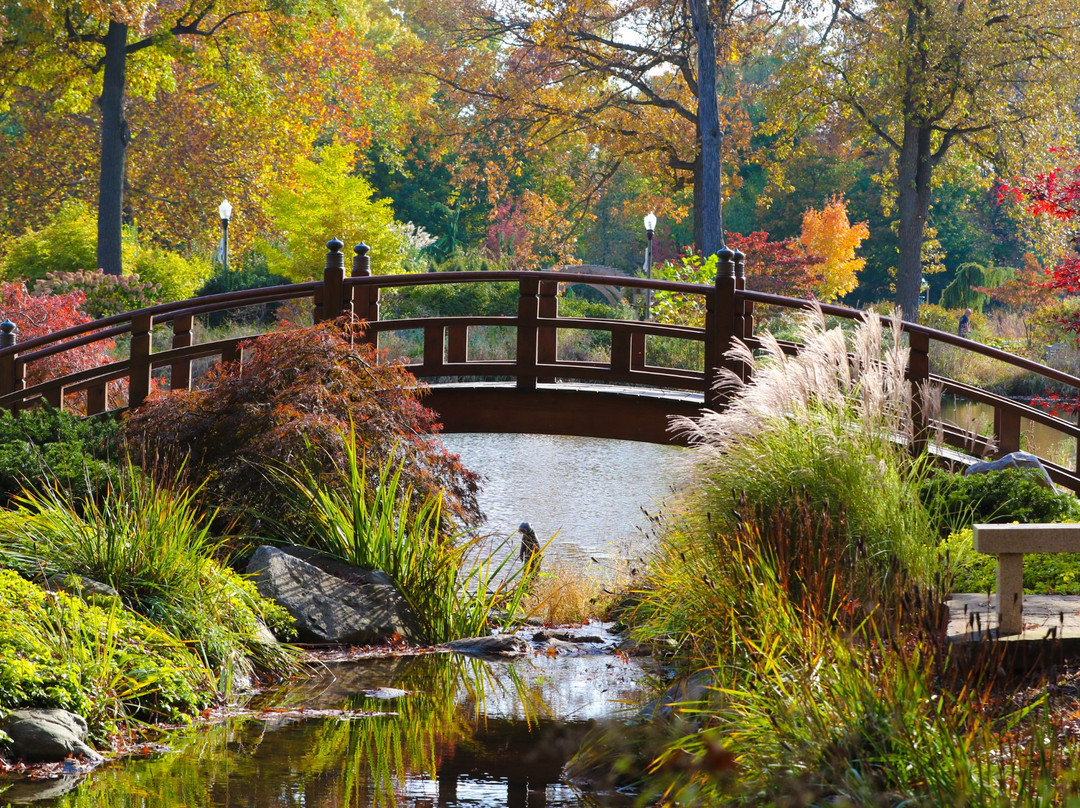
(530, 545)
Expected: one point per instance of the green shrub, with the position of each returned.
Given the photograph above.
(176, 277)
(253, 273)
(104, 664)
(1044, 573)
(105, 294)
(956, 501)
(67, 244)
(49, 445)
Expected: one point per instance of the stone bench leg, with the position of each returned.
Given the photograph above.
(1010, 593)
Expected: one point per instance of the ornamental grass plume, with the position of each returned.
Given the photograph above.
(861, 379)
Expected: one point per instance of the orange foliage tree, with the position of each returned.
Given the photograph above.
(829, 239)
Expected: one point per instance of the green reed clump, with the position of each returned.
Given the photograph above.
(154, 546)
(385, 525)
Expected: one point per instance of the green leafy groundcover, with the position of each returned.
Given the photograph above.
(100, 661)
(1044, 573)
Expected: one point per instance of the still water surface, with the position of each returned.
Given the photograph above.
(469, 732)
(586, 492)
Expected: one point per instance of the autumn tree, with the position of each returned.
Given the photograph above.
(935, 83)
(829, 240)
(628, 76)
(215, 95)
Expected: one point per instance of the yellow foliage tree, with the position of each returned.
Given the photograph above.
(831, 240)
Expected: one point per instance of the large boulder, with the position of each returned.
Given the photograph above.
(44, 736)
(332, 602)
(1013, 460)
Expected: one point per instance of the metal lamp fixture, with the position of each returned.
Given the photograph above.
(225, 212)
(650, 228)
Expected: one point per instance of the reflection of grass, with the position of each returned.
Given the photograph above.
(352, 763)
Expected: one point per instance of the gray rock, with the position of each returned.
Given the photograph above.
(1013, 460)
(496, 645)
(332, 602)
(79, 585)
(41, 736)
(692, 691)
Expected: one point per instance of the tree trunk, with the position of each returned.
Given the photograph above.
(913, 168)
(708, 130)
(114, 142)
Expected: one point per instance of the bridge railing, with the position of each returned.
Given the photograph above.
(162, 348)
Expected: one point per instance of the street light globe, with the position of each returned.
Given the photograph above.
(650, 221)
(225, 210)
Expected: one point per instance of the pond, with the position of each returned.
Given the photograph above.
(592, 495)
(469, 732)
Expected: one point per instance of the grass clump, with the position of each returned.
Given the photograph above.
(799, 583)
(387, 525)
(154, 547)
(561, 594)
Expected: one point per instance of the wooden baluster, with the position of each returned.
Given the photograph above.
(55, 397)
(365, 299)
(139, 380)
(547, 339)
(637, 350)
(1006, 431)
(97, 400)
(180, 375)
(919, 376)
(528, 312)
(719, 327)
(621, 353)
(9, 378)
(434, 336)
(744, 310)
(331, 299)
(457, 344)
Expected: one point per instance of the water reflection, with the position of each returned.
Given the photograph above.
(589, 491)
(1037, 438)
(470, 733)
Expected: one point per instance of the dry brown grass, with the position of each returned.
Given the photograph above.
(562, 594)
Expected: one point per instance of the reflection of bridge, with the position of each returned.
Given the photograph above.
(629, 393)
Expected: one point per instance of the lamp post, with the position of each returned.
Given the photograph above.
(225, 212)
(650, 229)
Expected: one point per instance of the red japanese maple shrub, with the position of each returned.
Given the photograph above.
(299, 393)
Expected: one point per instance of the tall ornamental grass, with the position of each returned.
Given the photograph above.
(154, 547)
(388, 526)
(799, 581)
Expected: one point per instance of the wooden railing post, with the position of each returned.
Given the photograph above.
(139, 381)
(919, 376)
(329, 303)
(1006, 431)
(528, 312)
(547, 346)
(719, 326)
(745, 308)
(9, 379)
(180, 376)
(365, 299)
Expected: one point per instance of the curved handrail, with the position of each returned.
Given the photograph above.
(729, 314)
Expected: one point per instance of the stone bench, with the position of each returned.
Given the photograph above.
(1009, 543)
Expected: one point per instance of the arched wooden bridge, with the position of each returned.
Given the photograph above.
(538, 388)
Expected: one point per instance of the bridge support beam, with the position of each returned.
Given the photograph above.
(546, 411)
